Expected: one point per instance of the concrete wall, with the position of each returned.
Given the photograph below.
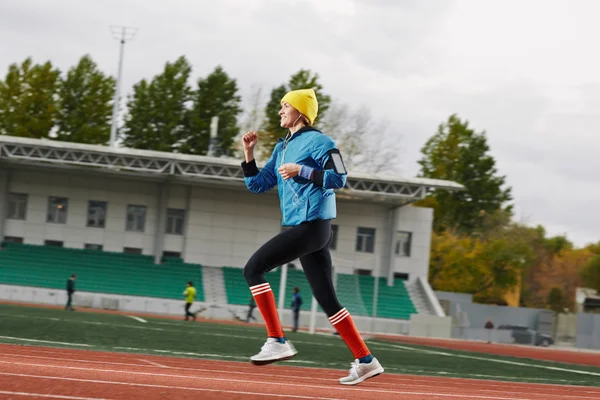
(4, 186)
(418, 221)
(479, 313)
(223, 227)
(430, 326)
(588, 331)
(454, 297)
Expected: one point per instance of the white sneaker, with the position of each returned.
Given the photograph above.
(273, 350)
(361, 371)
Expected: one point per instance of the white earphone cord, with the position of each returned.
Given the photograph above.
(296, 199)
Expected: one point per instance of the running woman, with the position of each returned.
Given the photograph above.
(306, 167)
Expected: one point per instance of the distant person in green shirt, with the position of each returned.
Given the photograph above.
(190, 295)
(70, 291)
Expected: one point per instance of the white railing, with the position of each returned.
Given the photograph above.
(431, 297)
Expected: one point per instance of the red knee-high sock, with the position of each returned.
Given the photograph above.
(343, 323)
(263, 295)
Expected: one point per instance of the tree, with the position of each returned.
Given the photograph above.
(560, 270)
(594, 248)
(590, 273)
(85, 104)
(465, 264)
(489, 267)
(271, 130)
(366, 145)
(28, 100)
(158, 118)
(253, 118)
(255, 113)
(556, 300)
(216, 95)
(459, 154)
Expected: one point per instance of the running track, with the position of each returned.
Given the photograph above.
(49, 373)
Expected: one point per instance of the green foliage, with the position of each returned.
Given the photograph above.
(158, 118)
(594, 248)
(590, 273)
(85, 104)
(216, 95)
(271, 130)
(474, 265)
(556, 300)
(459, 154)
(28, 100)
(558, 244)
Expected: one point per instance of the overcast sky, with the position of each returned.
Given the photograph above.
(526, 72)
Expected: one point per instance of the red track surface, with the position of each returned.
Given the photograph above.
(80, 374)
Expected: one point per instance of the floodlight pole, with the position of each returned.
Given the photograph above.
(125, 34)
(214, 127)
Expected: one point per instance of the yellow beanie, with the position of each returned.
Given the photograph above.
(305, 101)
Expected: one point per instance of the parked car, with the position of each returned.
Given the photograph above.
(524, 335)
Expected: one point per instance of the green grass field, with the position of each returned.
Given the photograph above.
(110, 332)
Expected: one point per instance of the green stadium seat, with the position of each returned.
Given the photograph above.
(355, 292)
(97, 271)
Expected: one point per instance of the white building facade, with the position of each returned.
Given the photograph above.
(196, 208)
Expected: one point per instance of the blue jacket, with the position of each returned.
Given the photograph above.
(300, 199)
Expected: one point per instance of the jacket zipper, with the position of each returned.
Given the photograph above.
(283, 186)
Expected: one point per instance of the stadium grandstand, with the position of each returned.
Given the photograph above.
(135, 226)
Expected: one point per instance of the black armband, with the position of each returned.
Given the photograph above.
(338, 163)
(318, 177)
(334, 162)
(250, 169)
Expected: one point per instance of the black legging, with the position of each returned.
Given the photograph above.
(308, 241)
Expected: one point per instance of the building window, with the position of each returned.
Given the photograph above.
(365, 272)
(57, 210)
(401, 275)
(89, 246)
(175, 220)
(132, 250)
(53, 243)
(136, 218)
(365, 240)
(96, 217)
(13, 239)
(334, 231)
(171, 254)
(17, 206)
(403, 240)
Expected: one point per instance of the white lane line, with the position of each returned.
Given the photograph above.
(423, 382)
(521, 364)
(127, 348)
(189, 330)
(451, 383)
(254, 381)
(45, 341)
(51, 396)
(153, 363)
(289, 396)
(142, 320)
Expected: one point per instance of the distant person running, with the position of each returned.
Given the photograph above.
(251, 307)
(296, 304)
(306, 167)
(190, 295)
(70, 291)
